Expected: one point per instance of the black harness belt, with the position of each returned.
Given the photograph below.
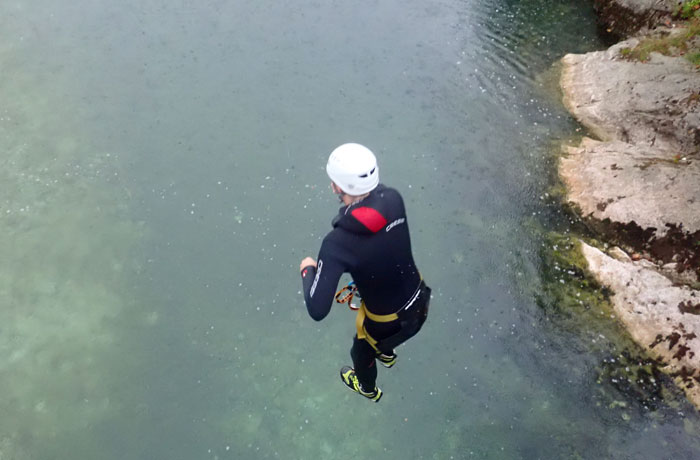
(411, 318)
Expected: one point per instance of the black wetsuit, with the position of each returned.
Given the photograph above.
(370, 240)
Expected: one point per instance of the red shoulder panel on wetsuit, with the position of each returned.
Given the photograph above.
(370, 218)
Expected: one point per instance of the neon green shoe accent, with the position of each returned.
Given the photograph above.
(387, 360)
(349, 378)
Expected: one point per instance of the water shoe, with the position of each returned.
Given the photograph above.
(387, 360)
(349, 378)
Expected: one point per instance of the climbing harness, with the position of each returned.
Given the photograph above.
(410, 323)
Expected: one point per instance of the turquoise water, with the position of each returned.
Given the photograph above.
(163, 175)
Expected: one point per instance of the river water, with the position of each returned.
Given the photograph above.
(163, 175)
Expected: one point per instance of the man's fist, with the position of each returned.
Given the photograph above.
(306, 262)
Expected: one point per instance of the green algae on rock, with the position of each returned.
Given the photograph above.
(575, 301)
(679, 41)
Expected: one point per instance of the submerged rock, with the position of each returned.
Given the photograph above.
(662, 317)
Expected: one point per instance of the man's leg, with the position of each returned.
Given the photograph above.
(363, 360)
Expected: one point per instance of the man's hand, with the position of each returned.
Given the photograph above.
(308, 261)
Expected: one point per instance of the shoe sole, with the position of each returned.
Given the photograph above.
(381, 393)
(388, 365)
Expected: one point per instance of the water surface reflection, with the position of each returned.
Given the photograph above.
(169, 160)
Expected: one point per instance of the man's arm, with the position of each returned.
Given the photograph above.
(320, 282)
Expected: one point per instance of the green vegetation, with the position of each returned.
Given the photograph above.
(688, 10)
(680, 43)
(569, 292)
(694, 58)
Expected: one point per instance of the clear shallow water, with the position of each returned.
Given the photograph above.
(163, 174)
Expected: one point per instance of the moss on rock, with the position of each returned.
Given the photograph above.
(576, 303)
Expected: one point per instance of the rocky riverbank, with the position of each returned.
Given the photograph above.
(637, 184)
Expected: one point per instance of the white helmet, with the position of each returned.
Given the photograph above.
(353, 168)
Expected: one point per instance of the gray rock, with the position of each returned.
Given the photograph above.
(686, 277)
(647, 169)
(661, 317)
(625, 17)
(631, 183)
(652, 104)
(640, 185)
(619, 254)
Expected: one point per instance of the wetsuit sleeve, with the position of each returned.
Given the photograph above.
(321, 282)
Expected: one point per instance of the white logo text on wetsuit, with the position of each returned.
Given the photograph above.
(395, 223)
(318, 275)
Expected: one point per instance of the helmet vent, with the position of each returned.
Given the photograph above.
(369, 173)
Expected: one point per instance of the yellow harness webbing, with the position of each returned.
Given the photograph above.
(363, 313)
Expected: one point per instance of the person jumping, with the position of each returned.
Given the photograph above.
(370, 240)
